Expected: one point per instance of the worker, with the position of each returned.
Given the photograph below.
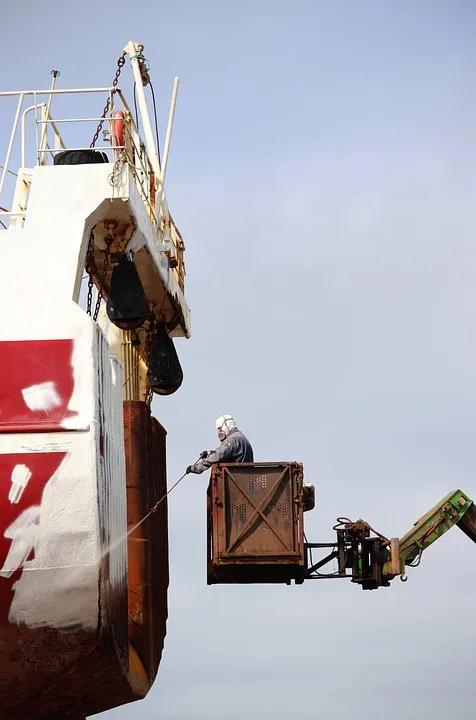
(234, 448)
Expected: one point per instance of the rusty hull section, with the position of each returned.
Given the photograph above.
(49, 674)
(148, 571)
(46, 673)
(255, 523)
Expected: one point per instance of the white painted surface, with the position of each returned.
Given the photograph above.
(59, 587)
(64, 203)
(43, 396)
(112, 497)
(20, 476)
(83, 505)
(68, 582)
(22, 532)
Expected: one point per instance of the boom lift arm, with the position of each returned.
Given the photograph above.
(256, 531)
(372, 560)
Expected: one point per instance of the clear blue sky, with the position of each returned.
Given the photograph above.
(323, 176)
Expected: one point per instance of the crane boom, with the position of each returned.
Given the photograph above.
(450, 511)
(256, 531)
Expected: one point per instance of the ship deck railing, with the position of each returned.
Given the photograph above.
(48, 142)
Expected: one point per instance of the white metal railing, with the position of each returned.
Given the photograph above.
(147, 171)
(42, 144)
(43, 147)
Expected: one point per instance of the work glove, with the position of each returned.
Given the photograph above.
(203, 454)
(188, 470)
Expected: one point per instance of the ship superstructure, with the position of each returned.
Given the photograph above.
(82, 609)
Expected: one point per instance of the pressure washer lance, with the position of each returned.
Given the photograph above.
(153, 510)
(112, 547)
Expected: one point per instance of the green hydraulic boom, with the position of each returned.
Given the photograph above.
(256, 531)
(452, 510)
(372, 560)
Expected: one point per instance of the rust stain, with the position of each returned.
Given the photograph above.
(45, 673)
(148, 544)
(57, 675)
(255, 523)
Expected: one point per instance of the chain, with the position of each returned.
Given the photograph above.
(102, 282)
(120, 65)
(90, 267)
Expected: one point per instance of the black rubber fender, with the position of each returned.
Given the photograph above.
(80, 157)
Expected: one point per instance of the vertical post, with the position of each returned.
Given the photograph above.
(44, 134)
(354, 547)
(168, 136)
(130, 361)
(113, 333)
(46, 117)
(395, 568)
(19, 198)
(366, 546)
(219, 512)
(376, 560)
(23, 131)
(342, 552)
(132, 49)
(10, 144)
(37, 142)
(128, 137)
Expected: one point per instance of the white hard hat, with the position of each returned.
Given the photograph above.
(224, 424)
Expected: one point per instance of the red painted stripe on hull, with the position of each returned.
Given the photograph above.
(27, 364)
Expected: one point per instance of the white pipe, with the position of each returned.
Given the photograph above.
(68, 120)
(37, 139)
(44, 134)
(168, 136)
(55, 92)
(58, 139)
(23, 132)
(96, 147)
(10, 144)
(132, 50)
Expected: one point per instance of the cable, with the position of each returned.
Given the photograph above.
(155, 116)
(420, 544)
(9, 171)
(132, 372)
(340, 522)
(417, 560)
(114, 545)
(349, 525)
(153, 510)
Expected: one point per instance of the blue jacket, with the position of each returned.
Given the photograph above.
(235, 448)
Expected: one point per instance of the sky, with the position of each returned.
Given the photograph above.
(323, 175)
